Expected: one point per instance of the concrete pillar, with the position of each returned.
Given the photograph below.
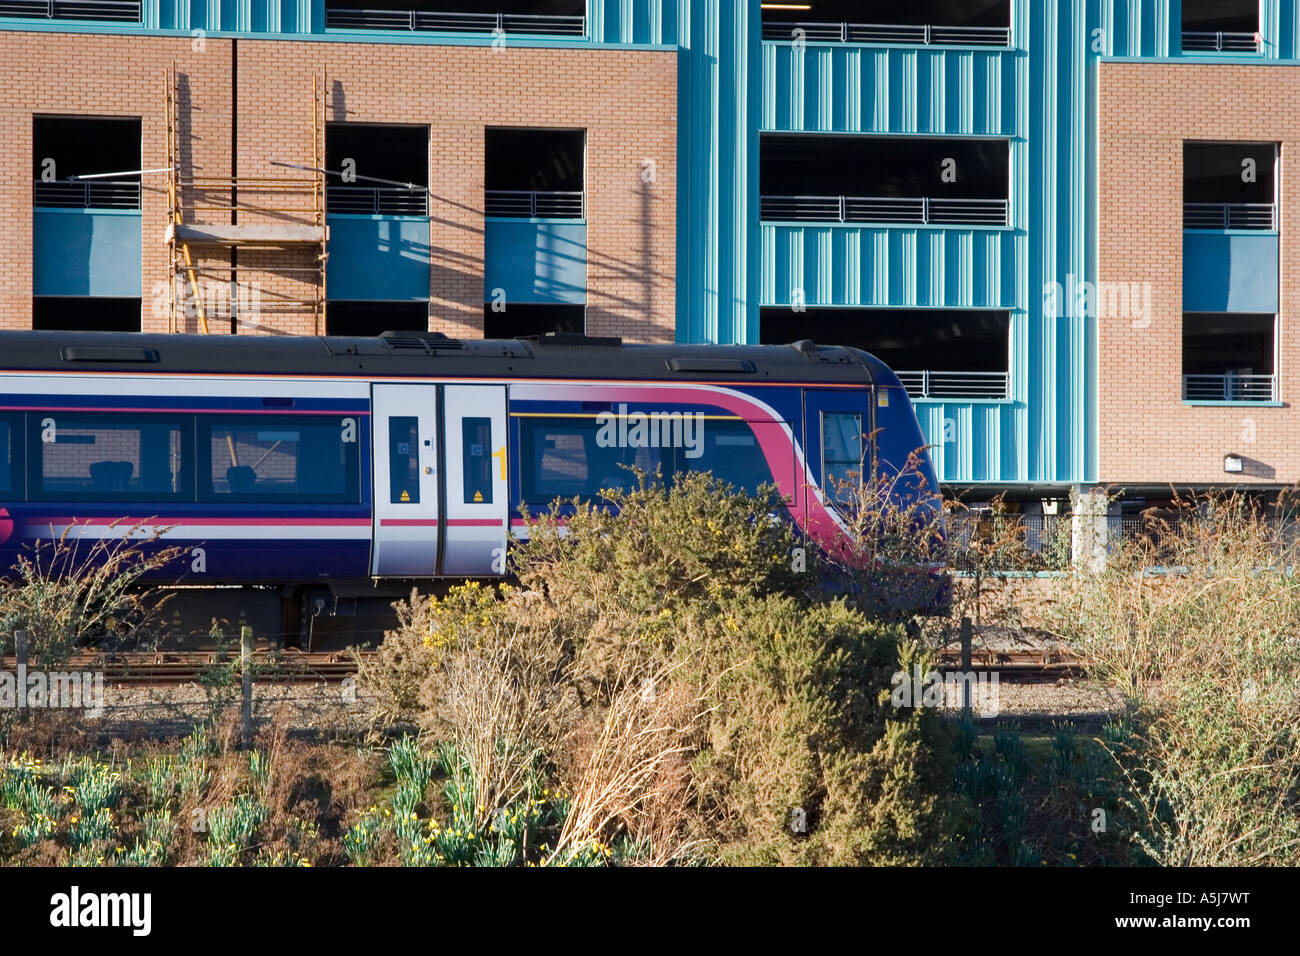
(1089, 529)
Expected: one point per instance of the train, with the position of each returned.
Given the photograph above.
(310, 480)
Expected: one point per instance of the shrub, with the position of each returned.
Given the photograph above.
(806, 760)
(1195, 623)
(65, 593)
(685, 684)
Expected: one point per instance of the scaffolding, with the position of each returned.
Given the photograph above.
(282, 218)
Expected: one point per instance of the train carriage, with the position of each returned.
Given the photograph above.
(319, 471)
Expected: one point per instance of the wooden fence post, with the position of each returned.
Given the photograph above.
(246, 704)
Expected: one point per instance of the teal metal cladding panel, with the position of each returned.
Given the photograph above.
(535, 260)
(1230, 272)
(841, 265)
(244, 16)
(970, 441)
(633, 21)
(1138, 28)
(87, 252)
(1038, 95)
(1279, 27)
(857, 89)
(1045, 432)
(378, 257)
(719, 88)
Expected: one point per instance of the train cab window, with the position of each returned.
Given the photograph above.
(563, 458)
(80, 457)
(403, 460)
(476, 453)
(264, 458)
(730, 450)
(841, 453)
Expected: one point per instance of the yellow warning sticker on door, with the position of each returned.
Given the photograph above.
(478, 496)
(406, 496)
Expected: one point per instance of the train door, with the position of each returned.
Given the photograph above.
(837, 440)
(477, 506)
(405, 471)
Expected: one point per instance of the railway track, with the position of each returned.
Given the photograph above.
(167, 668)
(174, 668)
(1021, 667)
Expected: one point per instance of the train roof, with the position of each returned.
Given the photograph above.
(433, 354)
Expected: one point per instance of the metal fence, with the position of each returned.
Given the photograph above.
(127, 11)
(885, 209)
(1229, 215)
(1230, 387)
(994, 543)
(87, 194)
(918, 34)
(984, 541)
(988, 542)
(1220, 41)
(533, 204)
(932, 384)
(377, 201)
(445, 22)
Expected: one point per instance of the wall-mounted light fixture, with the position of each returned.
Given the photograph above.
(1233, 463)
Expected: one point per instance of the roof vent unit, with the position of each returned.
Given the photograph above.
(426, 342)
(706, 364)
(107, 353)
(576, 339)
(824, 354)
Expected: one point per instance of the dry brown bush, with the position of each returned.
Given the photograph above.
(766, 696)
(1196, 623)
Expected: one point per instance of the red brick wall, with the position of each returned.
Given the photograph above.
(1146, 112)
(105, 76)
(626, 101)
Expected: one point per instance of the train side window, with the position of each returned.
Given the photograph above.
(730, 450)
(278, 458)
(561, 458)
(404, 459)
(476, 453)
(90, 457)
(11, 447)
(841, 453)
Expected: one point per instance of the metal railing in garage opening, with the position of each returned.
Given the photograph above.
(1229, 215)
(87, 194)
(1205, 41)
(449, 22)
(957, 385)
(884, 209)
(1229, 387)
(534, 203)
(376, 200)
(125, 11)
(919, 34)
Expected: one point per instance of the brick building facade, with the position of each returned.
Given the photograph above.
(1150, 429)
(243, 105)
